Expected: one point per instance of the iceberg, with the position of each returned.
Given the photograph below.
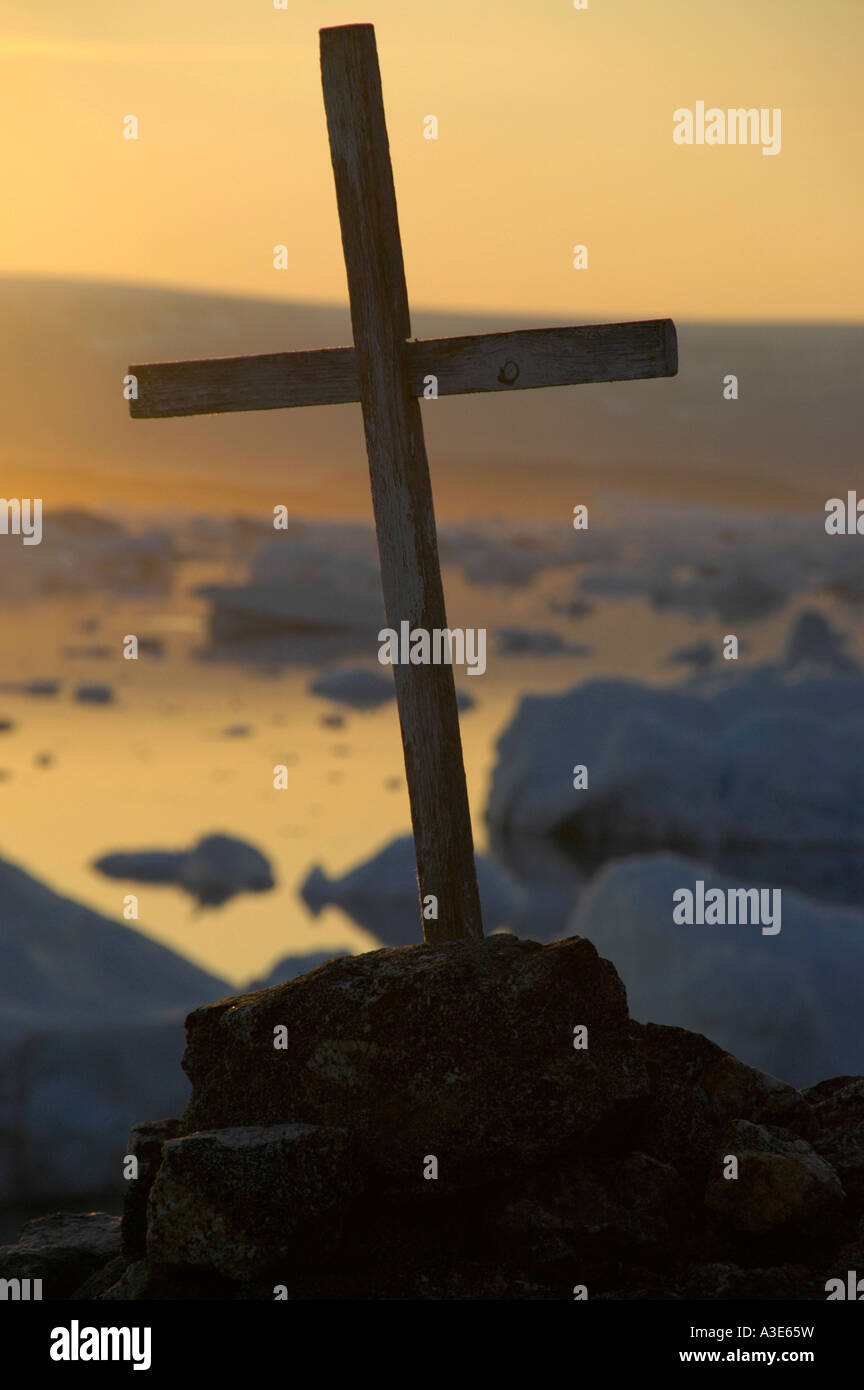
(381, 893)
(91, 1026)
(788, 1004)
(772, 756)
(213, 871)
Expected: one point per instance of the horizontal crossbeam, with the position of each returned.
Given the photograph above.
(523, 360)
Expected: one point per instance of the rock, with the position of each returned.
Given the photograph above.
(377, 1042)
(63, 1250)
(681, 1124)
(305, 1171)
(737, 1089)
(238, 1201)
(779, 1283)
(696, 1088)
(821, 1090)
(837, 1133)
(132, 1285)
(142, 1282)
(782, 1182)
(639, 1285)
(583, 1216)
(145, 1144)
(98, 1284)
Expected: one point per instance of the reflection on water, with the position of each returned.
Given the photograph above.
(164, 763)
(188, 745)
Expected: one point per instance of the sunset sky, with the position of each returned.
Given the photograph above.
(555, 128)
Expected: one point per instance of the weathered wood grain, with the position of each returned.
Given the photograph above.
(536, 357)
(386, 371)
(270, 381)
(524, 360)
(401, 491)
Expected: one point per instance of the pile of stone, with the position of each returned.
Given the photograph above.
(477, 1120)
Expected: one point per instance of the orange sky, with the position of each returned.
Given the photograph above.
(555, 127)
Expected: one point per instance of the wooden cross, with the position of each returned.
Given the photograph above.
(385, 372)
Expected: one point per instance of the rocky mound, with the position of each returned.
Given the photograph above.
(478, 1120)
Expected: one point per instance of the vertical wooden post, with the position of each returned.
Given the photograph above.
(401, 491)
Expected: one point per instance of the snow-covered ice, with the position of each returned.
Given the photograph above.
(788, 1003)
(81, 552)
(311, 579)
(734, 564)
(91, 1025)
(355, 686)
(757, 775)
(532, 641)
(491, 553)
(772, 756)
(381, 893)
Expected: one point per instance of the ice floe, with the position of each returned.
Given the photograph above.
(213, 871)
(356, 687)
(82, 552)
(770, 759)
(381, 893)
(788, 1003)
(314, 579)
(91, 1026)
